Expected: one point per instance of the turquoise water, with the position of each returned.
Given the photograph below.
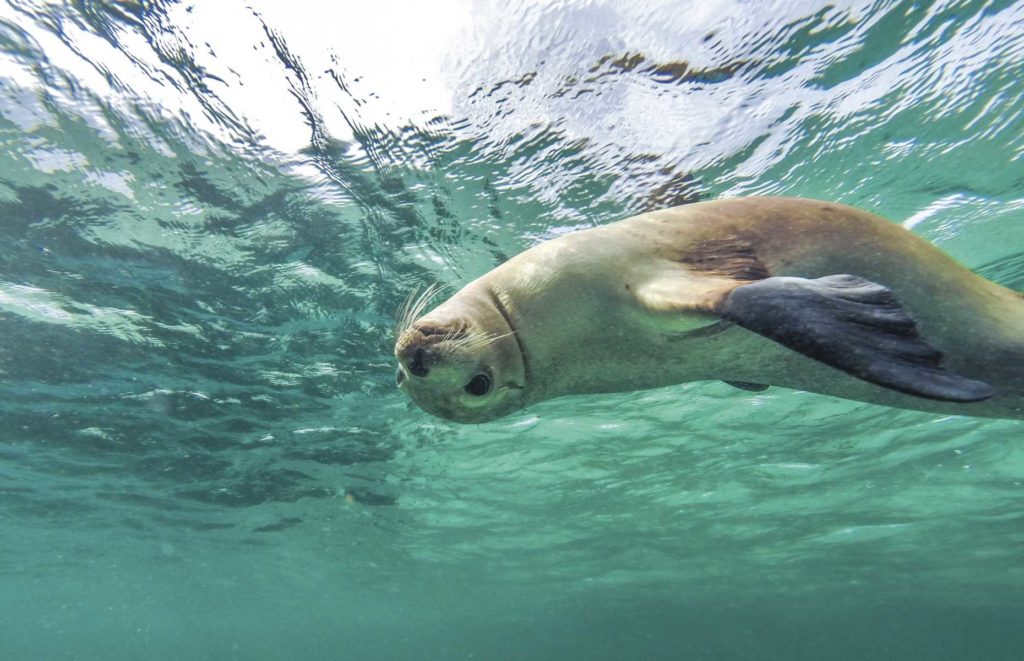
(212, 211)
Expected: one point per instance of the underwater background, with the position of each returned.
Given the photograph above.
(211, 211)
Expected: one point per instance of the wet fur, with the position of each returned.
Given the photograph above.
(627, 306)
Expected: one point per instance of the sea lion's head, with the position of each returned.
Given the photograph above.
(461, 361)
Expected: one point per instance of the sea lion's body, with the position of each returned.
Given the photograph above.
(645, 302)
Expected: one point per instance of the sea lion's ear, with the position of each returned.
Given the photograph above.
(852, 324)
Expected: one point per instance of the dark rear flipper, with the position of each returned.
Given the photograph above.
(747, 385)
(854, 325)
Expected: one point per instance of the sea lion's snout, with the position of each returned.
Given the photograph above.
(418, 360)
(417, 353)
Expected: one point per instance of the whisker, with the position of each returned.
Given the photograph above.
(494, 338)
(423, 303)
(476, 342)
(412, 303)
(403, 310)
(414, 306)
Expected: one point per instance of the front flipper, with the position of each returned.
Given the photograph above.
(854, 325)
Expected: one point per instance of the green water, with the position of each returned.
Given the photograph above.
(210, 212)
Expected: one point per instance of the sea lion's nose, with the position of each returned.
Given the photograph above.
(417, 360)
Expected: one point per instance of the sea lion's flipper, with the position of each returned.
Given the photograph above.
(854, 325)
(747, 385)
(688, 296)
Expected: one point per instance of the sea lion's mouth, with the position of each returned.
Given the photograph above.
(419, 360)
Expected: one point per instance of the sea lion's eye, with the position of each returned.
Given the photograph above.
(479, 385)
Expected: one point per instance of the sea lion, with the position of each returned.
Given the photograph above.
(754, 291)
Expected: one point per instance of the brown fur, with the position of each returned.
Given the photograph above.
(629, 306)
